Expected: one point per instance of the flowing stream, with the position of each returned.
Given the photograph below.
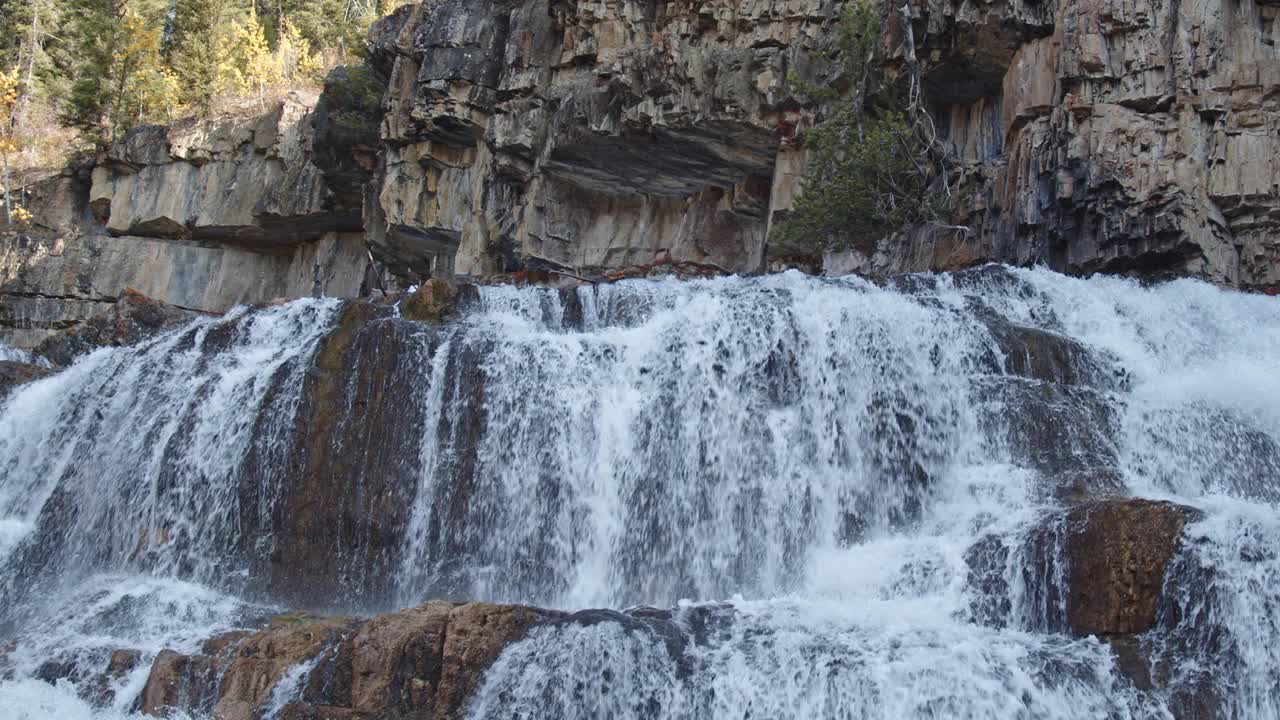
(836, 492)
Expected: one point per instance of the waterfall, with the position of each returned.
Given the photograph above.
(13, 354)
(801, 497)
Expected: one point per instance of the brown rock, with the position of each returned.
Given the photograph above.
(261, 660)
(132, 318)
(342, 515)
(180, 683)
(477, 635)
(13, 374)
(1117, 551)
(423, 663)
(433, 302)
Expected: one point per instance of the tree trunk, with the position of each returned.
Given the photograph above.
(8, 196)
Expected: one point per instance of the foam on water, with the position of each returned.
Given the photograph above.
(8, 353)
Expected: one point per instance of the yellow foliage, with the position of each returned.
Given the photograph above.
(9, 93)
(20, 216)
(296, 60)
(248, 66)
(150, 90)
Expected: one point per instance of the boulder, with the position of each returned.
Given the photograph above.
(1097, 568)
(180, 683)
(13, 374)
(1116, 555)
(132, 318)
(422, 662)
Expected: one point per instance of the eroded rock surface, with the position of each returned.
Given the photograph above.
(1101, 137)
(486, 138)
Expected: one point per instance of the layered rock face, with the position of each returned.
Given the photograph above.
(1100, 137)
(491, 138)
(202, 215)
(586, 135)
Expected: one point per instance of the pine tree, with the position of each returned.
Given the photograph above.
(94, 37)
(118, 78)
(198, 47)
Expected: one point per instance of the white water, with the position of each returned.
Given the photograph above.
(824, 455)
(8, 353)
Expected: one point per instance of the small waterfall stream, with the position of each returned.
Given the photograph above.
(842, 499)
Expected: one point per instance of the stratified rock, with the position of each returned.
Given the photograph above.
(204, 214)
(132, 318)
(1116, 555)
(590, 136)
(48, 285)
(1108, 136)
(245, 179)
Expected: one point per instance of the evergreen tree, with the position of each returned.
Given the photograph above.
(117, 73)
(198, 47)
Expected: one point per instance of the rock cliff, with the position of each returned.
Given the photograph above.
(488, 138)
(1102, 136)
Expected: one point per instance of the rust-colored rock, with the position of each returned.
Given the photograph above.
(262, 660)
(1117, 552)
(477, 635)
(341, 516)
(433, 302)
(419, 663)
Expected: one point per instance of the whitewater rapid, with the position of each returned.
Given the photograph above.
(799, 468)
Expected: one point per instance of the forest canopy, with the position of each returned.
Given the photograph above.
(92, 69)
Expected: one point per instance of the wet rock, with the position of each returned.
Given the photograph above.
(1116, 554)
(98, 690)
(434, 302)
(132, 318)
(1063, 431)
(260, 661)
(1094, 569)
(180, 683)
(13, 374)
(423, 662)
(340, 519)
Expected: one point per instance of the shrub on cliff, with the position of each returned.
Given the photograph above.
(872, 164)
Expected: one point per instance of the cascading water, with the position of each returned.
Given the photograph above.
(12, 354)
(851, 496)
